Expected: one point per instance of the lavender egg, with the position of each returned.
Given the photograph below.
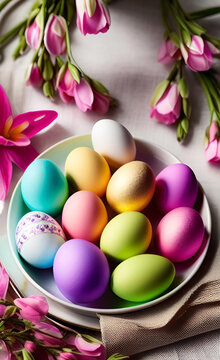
(176, 186)
(179, 234)
(81, 271)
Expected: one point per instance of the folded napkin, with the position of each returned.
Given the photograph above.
(192, 310)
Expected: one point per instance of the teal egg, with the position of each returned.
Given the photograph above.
(44, 187)
(142, 277)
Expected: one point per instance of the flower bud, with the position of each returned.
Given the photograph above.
(55, 35)
(92, 16)
(33, 75)
(212, 150)
(33, 33)
(197, 54)
(168, 52)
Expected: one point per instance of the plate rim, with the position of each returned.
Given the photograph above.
(115, 311)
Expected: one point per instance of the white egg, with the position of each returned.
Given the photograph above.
(113, 141)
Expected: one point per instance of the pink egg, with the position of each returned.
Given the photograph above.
(179, 234)
(84, 216)
(176, 186)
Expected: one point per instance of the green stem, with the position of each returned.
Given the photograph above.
(204, 13)
(12, 32)
(174, 71)
(4, 3)
(209, 95)
(164, 16)
(69, 52)
(61, 7)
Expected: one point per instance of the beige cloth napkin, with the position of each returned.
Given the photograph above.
(195, 309)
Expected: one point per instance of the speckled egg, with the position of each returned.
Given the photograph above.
(131, 187)
(84, 216)
(126, 235)
(44, 187)
(85, 169)
(142, 277)
(176, 186)
(38, 237)
(113, 141)
(81, 271)
(180, 233)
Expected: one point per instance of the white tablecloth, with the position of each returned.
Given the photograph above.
(124, 59)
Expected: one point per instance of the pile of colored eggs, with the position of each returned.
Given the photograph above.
(103, 222)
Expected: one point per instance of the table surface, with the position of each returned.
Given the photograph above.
(124, 60)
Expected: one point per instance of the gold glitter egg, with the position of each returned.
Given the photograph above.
(131, 187)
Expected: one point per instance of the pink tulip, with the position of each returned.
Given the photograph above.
(5, 354)
(167, 109)
(68, 356)
(90, 350)
(55, 35)
(92, 16)
(101, 102)
(197, 54)
(32, 308)
(66, 87)
(34, 32)
(212, 150)
(33, 75)
(168, 52)
(15, 135)
(83, 95)
(4, 280)
(49, 334)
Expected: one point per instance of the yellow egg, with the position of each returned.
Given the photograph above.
(85, 169)
(131, 187)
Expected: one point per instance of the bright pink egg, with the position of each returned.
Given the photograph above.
(179, 234)
(176, 186)
(84, 216)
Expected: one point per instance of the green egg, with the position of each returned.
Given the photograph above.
(126, 235)
(142, 277)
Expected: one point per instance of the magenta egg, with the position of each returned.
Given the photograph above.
(176, 185)
(179, 234)
(81, 271)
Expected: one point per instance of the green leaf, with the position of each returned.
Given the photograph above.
(27, 355)
(117, 356)
(90, 339)
(185, 125)
(195, 28)
(186, 108)
(10, 311)
(175, 38)
(70, 10)
(186, 37)
(48, 89)
(74, 72)
(99, 87)
(159, 91)
(182, 87)
(61, 73)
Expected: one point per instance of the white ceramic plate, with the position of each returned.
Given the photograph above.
(42, 280)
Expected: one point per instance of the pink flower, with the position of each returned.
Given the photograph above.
(4, 280)
(90, 350)
(55, 35)
(101, 102)
(68, 356)
(33, 75)
(5, 354)
(32, 308)
(83, 95)
(212, 150)
(168, 52)
(30, 346)
(167, 109)
(92, 16)
(37, 351)
(34, 32)
(66, 86)
(197, 54)
(52, 335)
(15, 135)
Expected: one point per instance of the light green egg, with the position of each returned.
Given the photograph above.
(126, 235)
(142, 277)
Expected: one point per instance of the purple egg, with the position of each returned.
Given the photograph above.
(176, 186)
(81, 271)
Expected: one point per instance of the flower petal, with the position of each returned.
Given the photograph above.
(37, 120)
(5, 173)
(83, 95)
(22, 156)
(32, 307)
(4, 280)
(5, 108)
